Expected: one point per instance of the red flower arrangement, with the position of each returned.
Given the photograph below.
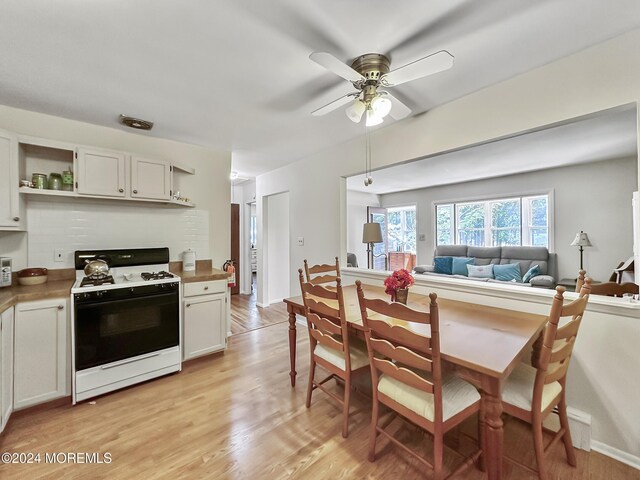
(398, 280)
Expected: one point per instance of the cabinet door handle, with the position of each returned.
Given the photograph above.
(60, 307)
(121, 190)
(206, 288)
(16, 219)
(135, 191)
(188, 305)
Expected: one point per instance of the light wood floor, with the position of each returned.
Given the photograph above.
(235, 416)
(247, 316)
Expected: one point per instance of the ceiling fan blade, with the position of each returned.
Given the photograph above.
(329, 107)
(398, 109)
(428, 65)
(334, 65)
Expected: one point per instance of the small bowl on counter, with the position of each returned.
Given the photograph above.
(33, 276)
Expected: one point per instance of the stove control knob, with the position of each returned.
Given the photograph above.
(99, 294)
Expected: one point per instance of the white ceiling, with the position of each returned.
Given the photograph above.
(608, 135)
(235, 75)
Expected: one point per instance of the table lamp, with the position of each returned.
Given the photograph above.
(581, 240)
(372, 233)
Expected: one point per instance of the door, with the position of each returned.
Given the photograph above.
(150, 178)
(204, 325)
(40, 353)
(9, 208)
(110, 329)
(235, 244)
(378, 257)
(101, 172)
(6, 367)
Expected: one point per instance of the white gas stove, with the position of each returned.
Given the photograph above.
(126, 326)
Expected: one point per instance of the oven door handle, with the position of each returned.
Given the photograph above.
(129, 360)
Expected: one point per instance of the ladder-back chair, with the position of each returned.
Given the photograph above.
(329, 343)
(320, 274)
(531, 393)
(407, 376)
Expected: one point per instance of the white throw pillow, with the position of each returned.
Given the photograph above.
(480, 271)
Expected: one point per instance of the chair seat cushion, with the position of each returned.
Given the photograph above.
(518, 390)
(456, 396)
(357, 348)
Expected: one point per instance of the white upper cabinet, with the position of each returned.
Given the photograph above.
(9, 206)
(150, 178)
(101, 173)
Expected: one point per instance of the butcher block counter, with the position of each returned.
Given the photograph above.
(204, 272)
(59, 285)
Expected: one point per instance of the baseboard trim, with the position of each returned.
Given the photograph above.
(619, 455)
(262, 305)
(580, 427)
(277, 300)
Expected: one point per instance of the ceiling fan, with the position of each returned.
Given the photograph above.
(370, 75)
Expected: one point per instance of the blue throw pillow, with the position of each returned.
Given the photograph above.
(442, 265)
(480, 271)
(508, 272)
(532, 272)
(459, 265)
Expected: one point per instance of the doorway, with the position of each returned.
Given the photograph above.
(275, 278)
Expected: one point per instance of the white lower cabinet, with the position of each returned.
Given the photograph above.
(6, 366)
(40, 352)
(204, 318)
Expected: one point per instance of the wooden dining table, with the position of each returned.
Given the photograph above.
(479, 343)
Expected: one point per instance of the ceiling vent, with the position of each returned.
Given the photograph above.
(136, 123)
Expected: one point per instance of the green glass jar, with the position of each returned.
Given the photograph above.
(39, 180)
(55, 181)
(67, 181)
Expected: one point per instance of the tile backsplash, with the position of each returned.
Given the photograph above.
(69, 226)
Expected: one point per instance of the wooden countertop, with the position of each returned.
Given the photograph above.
(61, 281)
(204, 272)
(9, 296)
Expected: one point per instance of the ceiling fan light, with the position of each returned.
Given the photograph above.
(355, 111)
(373, 119)
(381, 106)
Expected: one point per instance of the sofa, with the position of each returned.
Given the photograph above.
(526, 257)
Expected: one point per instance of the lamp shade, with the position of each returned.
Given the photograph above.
(373, 119)
(581, 240)
(356, 110)
(371, 233)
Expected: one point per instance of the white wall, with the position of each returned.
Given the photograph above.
(601, 77)
(594, 197)
(209, 188)
(357, 203)
(278, 246)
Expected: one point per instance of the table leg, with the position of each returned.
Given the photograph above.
(292, 344)
(493, 438)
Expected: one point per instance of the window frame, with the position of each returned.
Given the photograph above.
(413, 207)
(525, 232)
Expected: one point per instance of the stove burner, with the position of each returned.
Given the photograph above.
(156, 275)
(96, 281)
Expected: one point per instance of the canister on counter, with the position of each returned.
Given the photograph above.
(39, 181)
(188, 261)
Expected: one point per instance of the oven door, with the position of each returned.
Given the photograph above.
(125, 323)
